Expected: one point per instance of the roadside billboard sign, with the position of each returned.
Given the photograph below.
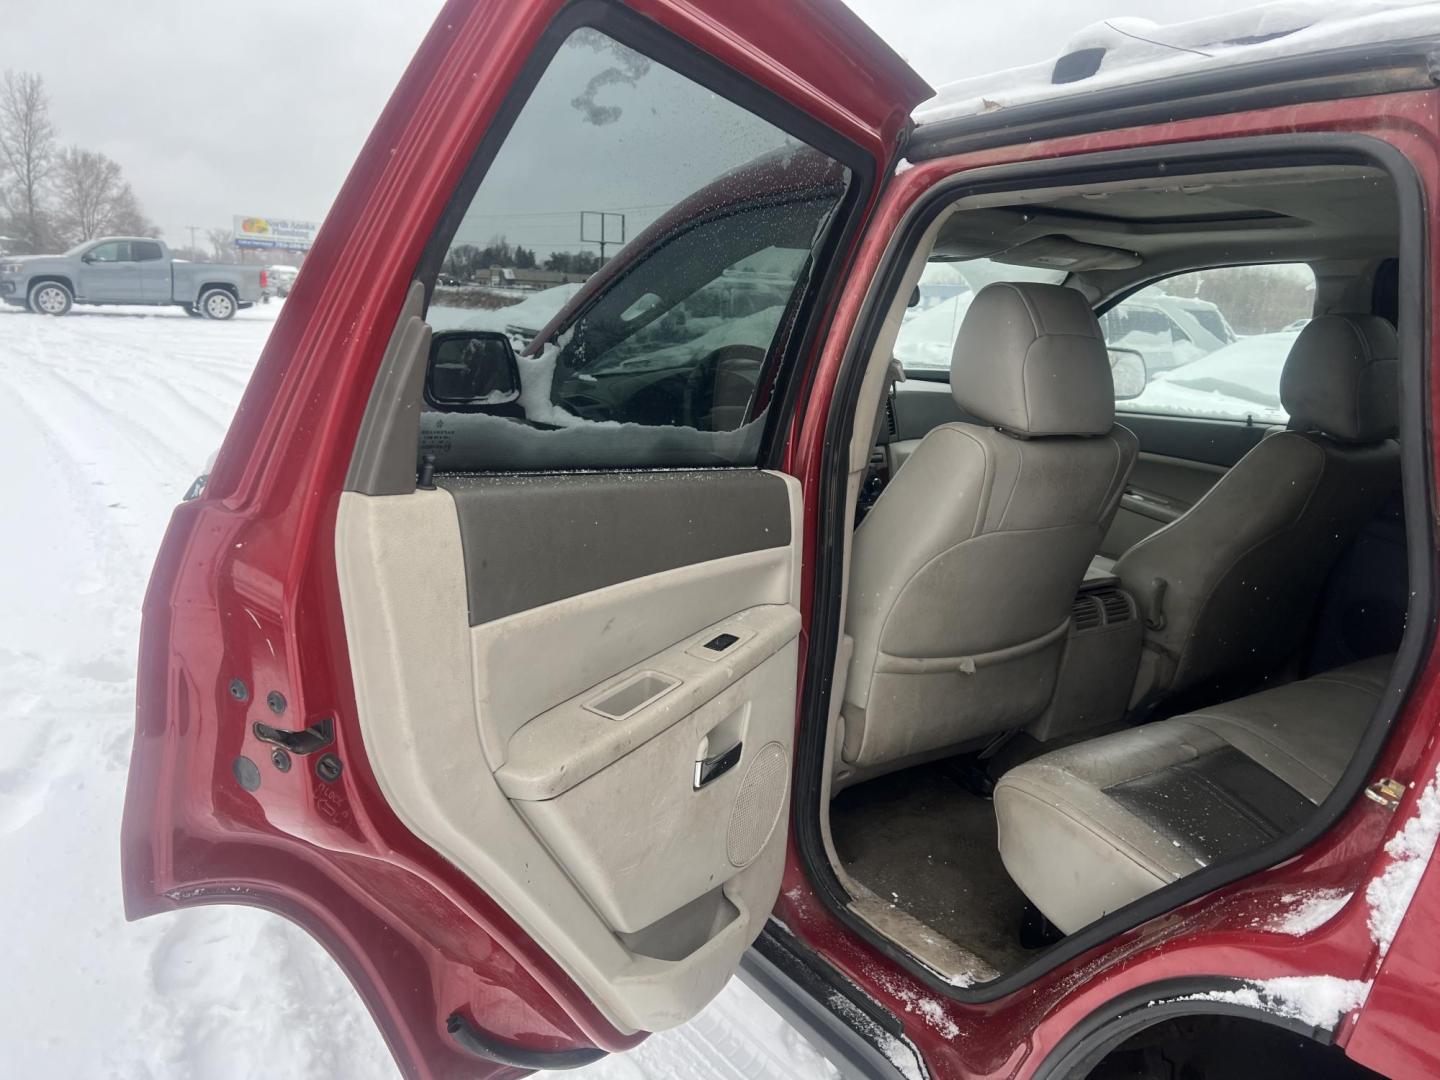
(282, 234)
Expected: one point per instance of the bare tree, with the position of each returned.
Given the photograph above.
(221, 243)
(27, 153)
(92, 198)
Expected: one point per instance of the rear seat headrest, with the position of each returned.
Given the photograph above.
(1031, 360)
(1342, 378)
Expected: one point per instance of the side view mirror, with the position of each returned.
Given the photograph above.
(88, 257)
(471, 369)
(1128, 372)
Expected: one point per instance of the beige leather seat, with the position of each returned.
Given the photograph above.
(1088, 829)
(1227, 590)
(964, 572)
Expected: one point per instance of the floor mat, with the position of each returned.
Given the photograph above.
(924, 843)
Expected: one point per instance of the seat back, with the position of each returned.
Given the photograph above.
(1229, 589)
(964, 572)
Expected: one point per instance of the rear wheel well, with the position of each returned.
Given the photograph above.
(1199, 1046)
(227, 286)
(1195, 1028)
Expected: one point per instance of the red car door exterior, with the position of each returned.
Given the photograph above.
(243, 661)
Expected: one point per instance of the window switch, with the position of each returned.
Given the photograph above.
(721, 642)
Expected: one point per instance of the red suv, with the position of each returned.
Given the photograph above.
(819, 594)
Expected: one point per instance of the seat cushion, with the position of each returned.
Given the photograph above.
(1090, 828)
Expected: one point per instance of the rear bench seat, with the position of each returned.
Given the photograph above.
(1087, 829)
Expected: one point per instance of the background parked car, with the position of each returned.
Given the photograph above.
(128, 270)
(1168, 330)
(281, 279)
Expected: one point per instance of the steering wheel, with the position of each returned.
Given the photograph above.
(698, 396)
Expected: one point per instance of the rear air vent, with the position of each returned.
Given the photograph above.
(1118, 606)
(1085, 613)
(1101, 607)
(890, 418)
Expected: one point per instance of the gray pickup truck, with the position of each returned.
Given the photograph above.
(127, 270)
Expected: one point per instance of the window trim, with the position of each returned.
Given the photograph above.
(795, 342)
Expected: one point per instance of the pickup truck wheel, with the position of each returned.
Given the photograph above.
(50, 298)
(217, 304)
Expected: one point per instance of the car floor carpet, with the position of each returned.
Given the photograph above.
(921, 841)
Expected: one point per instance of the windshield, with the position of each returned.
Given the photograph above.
(927, 335)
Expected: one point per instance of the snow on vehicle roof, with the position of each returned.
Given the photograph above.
(1135, 50)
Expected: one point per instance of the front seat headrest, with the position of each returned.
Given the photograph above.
(1030, 359)
(1342, 378)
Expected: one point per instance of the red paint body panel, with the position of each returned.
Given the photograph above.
(1222, 934)
(244, 586)
(1396, 1032)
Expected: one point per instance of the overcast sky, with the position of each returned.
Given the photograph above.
(216, 109)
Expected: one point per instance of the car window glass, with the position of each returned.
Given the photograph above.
(114, 251)
(1214, 341)
(145, 250)
(930, 326)
(667, 233)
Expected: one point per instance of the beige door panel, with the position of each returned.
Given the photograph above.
(593, 835)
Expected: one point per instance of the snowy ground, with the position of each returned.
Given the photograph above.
(105, 418)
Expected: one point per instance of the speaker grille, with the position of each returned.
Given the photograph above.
(758, 804)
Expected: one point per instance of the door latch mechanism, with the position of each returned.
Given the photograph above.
(305, 741)
(1387, 793)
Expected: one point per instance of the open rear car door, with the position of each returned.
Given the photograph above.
(514, 740)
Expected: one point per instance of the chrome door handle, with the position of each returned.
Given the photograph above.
(712, 768)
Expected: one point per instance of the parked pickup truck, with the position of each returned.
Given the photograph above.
(127, 270)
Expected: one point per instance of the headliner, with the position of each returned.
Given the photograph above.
(1148, 226)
